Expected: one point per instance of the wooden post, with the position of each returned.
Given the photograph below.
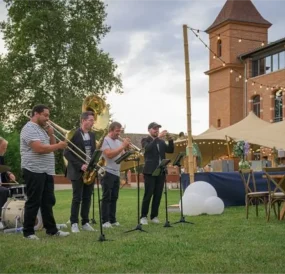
(188, 104)
(228, 146)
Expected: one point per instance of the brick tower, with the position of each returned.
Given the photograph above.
(238, 20)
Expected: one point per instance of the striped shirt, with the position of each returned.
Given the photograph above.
(33, 161)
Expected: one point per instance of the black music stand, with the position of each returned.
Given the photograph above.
(176, 162)
(137, 160)
(159, 171)
(93, 165)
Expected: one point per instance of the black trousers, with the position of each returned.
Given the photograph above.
(4, 194)
(153, 188)
(81, 195)
(110, 187)
(40, 194)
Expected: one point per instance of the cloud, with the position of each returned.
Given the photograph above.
(146, 41)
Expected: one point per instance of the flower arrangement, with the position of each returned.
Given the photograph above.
(241, 149)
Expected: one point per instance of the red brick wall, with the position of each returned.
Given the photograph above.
(266, 96)
(226, 90)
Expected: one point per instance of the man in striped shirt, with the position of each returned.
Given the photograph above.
(37, 146)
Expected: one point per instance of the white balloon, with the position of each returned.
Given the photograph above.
(214, 205)
(201, 188)
(193, 204)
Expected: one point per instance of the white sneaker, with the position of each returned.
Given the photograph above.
(75, 228)
(144, 221)
(87, 227)
(32, 237)
(115, 224)
(155, 220)
(1, 225)
(61, 234)
(107, 225)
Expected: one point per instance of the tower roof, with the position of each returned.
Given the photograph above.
(239, 11)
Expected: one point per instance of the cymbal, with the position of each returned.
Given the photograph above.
(4, 168)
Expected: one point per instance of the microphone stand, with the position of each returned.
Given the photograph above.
(176, 162)
(139, 225)
(93, 165)
(93, 221)
(137, 160)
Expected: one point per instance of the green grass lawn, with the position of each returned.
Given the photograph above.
(214, 244)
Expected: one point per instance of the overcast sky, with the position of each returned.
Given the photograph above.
(147, 44)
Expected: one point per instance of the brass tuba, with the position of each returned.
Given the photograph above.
(97, 105)
(101, 110)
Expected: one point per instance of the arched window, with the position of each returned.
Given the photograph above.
(219, 123)
(278, 103)
(219, 48)
(256, 105)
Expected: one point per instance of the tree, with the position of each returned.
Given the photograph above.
(54, 58)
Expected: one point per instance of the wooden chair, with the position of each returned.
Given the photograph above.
(276, 188)
(252, 195)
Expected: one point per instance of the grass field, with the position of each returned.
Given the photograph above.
(226, 243)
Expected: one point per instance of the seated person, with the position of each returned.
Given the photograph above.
(4, 177)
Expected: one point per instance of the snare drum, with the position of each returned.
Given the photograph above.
(13, 215)
(18, 192)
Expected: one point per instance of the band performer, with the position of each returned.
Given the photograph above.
(112, 149)
(84, 139)
(37, 144)
(154, 151)
(5, 177)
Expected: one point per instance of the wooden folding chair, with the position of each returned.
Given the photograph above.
(277, 193)
(252, 195)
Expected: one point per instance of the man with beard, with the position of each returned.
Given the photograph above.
(37, 146)
(112, 149)
(154, 152)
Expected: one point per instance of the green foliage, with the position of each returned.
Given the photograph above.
(227, 243)
(54, 58)
(12, 156)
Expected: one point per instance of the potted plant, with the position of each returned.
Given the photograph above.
(241, 149)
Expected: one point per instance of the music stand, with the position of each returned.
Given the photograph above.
(124, 157)
(176, 162)
(93, 165)
(159, 171)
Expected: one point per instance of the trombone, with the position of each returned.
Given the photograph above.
(60, 131)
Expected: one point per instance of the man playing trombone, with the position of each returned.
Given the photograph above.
(84, 144)
(37, 144)
(112, 149)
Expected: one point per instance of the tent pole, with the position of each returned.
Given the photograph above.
(228, 146)
(188, 104)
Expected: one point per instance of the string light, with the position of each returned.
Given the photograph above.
(262, 42)
(223, 62)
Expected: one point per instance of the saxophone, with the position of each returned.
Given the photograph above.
(89, 175)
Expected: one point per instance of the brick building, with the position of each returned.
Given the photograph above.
(251, 75)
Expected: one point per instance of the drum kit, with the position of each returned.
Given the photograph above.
(13, 210)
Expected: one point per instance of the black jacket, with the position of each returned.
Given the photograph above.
(151, 154)
(4, 175)
(73, 170)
